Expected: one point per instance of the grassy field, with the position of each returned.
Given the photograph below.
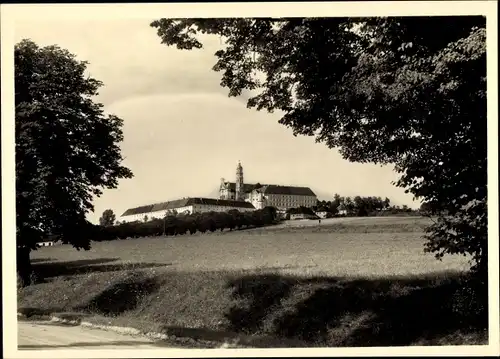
(348, 282)
(360, 247)
(397, 222)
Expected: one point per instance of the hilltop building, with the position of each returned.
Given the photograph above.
(262, 195)
(232, 195)
(186, 206)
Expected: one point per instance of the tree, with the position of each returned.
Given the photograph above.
(380, 90)
(108, 218)
(334, 206)
(425, 208)
(221, 221)
(360, 206)
(349, 206)
(191, 223)
(66, 148)
(387, 203)
(236, 218)
(270, 214)
(170, 223)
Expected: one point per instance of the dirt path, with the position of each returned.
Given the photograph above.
(44, 335)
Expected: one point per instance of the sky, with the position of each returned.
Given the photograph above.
(182, 133)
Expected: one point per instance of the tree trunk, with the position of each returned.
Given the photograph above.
(24, 268)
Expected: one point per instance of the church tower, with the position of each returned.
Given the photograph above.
(240, 192)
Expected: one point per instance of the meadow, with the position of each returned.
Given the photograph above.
(346, 282)
(363, 247)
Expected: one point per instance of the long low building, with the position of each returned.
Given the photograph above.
(185, 206)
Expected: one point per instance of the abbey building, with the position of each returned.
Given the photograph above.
(236, 195)
(262, 195)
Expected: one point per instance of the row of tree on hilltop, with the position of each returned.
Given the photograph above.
(178, 224)
(361, 206)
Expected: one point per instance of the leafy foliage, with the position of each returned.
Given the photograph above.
(407, 91)
(66, 147)
(464, 232)
(358, 206)
(172, 225)
(108, 218)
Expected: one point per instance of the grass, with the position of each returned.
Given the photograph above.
(354, 249)
(361, 224)
(309, 286)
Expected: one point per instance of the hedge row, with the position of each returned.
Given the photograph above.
(187, 223)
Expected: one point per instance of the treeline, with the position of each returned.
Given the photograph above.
(359, 206)
(172, 225)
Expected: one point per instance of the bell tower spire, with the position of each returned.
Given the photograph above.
(239, 195)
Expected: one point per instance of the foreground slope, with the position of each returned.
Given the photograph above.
(359, 285)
